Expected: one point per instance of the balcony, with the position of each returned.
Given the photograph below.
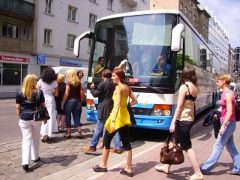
(16, 45)
(17, 7)
(130, 3)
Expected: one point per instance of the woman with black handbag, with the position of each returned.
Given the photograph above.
(26, 106)
(183, 120)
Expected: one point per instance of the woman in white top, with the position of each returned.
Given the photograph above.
(49, 86)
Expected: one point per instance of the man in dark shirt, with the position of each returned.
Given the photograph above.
(104, 92)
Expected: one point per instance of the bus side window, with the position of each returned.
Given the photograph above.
(179, 67)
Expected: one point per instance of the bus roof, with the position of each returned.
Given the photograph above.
(136, 13)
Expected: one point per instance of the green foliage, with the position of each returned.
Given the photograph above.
(180, 62)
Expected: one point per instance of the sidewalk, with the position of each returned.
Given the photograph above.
(64, 159)
(146, 156)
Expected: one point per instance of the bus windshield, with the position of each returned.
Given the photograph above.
(143, 45)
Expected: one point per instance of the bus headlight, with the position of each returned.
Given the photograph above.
(90, 104)
(157, 112)
(162, 110)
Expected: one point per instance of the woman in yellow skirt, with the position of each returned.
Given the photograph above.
(119, 120)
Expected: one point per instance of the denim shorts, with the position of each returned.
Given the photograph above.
(182, 133)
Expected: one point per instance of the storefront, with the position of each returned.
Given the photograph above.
(13, 69)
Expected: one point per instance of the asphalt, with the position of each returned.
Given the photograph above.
(63, 159)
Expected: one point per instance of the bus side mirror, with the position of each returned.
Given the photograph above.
(176, 37)
(76, 50)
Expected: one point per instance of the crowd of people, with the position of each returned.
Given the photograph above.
(50, 91)
(113, 117)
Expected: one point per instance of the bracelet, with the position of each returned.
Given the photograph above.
(113, 121)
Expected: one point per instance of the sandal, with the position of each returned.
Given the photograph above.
(80, 135)
(67, 135)
(97, 168)
(124, 172)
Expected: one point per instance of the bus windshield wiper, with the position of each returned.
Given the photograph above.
(150, 87)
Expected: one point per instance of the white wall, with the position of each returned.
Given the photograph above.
(60, 26)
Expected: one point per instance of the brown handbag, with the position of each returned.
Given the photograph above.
(172, 155)
(82, 95)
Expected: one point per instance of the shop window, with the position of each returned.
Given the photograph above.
(70, 41)
(48, 6)
(13, 74)
(10, 30)
(72, 13)
(92, 20)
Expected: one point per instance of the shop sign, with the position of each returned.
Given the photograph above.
(69, 62)
(41, 59)
(14, 59)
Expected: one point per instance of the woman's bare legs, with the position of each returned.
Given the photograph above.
(128, 167)
(63, 119)
(105, 155)
(193, 160)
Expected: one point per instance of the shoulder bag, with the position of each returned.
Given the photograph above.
(41, 113)
(82, 95)
(172, 155)
(129, 108)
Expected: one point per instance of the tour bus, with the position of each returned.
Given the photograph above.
(140, 38)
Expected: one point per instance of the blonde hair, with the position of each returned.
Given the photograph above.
(29, 85)
(226, 77)
(60, 78)
(72, 77)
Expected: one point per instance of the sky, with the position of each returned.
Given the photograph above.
(227, 13)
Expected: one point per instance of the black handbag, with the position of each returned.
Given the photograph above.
(172, 155)
(41, 113)
(237, 110)
(129, 108)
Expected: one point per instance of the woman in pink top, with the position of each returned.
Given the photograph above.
(228, 121)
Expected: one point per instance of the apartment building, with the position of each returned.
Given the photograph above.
(236, 69)
(18, 42)
(35, 34)
(218, 39)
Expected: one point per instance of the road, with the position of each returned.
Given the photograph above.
(9, 129)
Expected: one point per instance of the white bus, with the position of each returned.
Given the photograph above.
(140, 37)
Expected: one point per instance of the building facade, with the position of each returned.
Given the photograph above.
(236, 69)
(35, 34)
(197, 16)
(218, 39)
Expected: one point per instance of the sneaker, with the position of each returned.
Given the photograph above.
(116, 151)
(88, 148)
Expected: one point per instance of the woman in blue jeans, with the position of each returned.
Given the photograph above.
(71, 102)
(228, 121)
